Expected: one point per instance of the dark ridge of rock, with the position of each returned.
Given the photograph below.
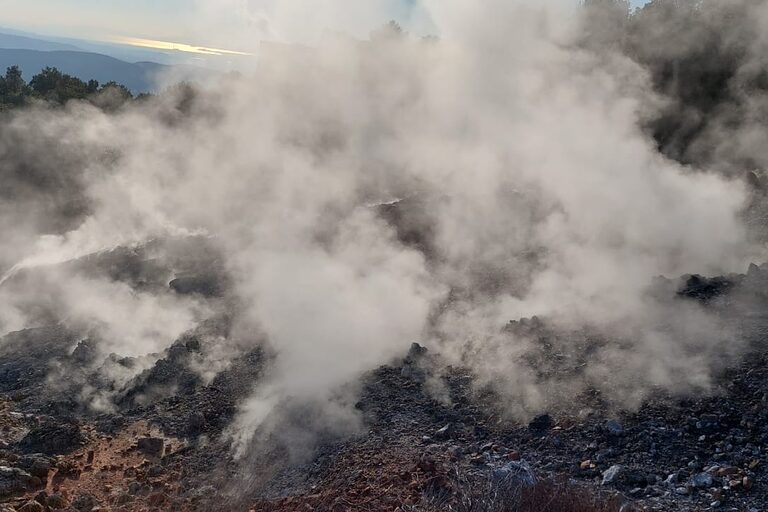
(411, 220)
(176, 374)
(37, 464)
(133, 265)
(52, 437)
(25, 356)
(14, 480)
(662, 457)
(705, 289)
(167, 377)
(208, 285)
(85, 353)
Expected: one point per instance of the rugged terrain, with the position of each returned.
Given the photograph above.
(412, 272)
(163, 443)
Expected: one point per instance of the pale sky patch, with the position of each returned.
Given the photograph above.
(239, 25)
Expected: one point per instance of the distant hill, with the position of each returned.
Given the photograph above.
(138, 77)
(18, 39)
(19, 42)
(192, 63)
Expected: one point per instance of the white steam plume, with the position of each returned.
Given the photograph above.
(543, 195)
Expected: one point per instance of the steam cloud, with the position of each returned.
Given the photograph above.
(522, 151)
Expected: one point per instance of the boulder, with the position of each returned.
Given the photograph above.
(444, 432)
(702, 481)
(13, 480)
(52, 437)
(611, 475)
(84, 503)
(541, 423)
(151, 445)
(36, 464)
(513, 474)
(413, 368)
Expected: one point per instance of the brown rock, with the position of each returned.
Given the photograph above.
(727, 471)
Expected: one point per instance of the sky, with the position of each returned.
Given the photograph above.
(100, 18)
(234, 25)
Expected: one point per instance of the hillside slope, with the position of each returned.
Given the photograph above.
(19, 42)
(138, 77)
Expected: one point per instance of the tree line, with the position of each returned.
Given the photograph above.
(57, 88)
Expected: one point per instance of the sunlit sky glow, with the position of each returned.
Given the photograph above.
(181, 47)
(207, 27)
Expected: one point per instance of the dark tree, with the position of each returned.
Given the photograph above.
(14, 91)
(57, 87)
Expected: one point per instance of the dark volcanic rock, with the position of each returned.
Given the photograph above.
(541, 423)
(56, 502)
(151, 445)
(412, 222)
(13, 480)
(25, 356)
(195, 423)
(614, 428)
(513, 475)
(613, 474)
(207, 285)
(85, 352)
(414, 364)
(702, 480)
(52, 437)
(168, 376)
(36, 464)
(671, 453)
(84, 503)
(705, 289)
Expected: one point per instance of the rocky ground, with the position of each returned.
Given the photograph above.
(164, 444)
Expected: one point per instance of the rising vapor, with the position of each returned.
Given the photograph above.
(365, 194)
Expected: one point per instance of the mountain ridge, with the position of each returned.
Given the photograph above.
(138, 77)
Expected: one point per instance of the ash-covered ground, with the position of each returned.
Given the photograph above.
(431, 437)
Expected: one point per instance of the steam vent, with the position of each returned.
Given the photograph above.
(384, 256)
